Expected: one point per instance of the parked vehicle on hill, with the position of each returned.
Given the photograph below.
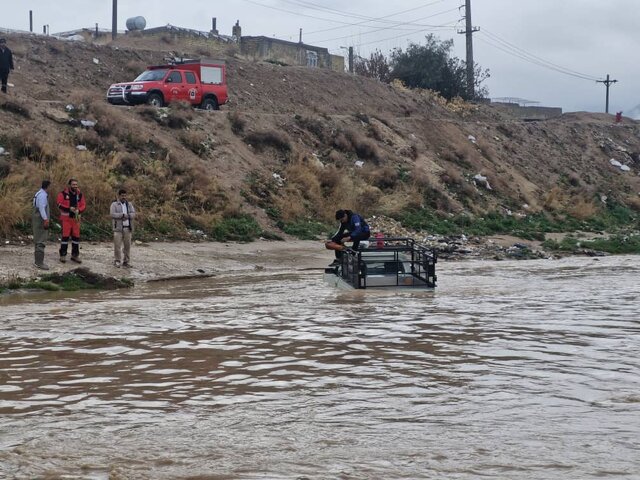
(202, 83)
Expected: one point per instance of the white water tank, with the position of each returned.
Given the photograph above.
(136, 23)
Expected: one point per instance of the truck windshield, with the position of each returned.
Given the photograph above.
(151, 75)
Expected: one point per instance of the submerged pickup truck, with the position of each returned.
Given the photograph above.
(202, 83)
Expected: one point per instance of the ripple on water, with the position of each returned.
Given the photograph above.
(505, 364)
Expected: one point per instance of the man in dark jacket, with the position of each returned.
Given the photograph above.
(6, 63)
(353, 228)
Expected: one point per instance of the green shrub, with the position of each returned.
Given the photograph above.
(242, 228)
(616, 244)
(304, 229)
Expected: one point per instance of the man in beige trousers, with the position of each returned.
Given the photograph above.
(122, 215)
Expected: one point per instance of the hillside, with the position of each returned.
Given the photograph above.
(292, 146)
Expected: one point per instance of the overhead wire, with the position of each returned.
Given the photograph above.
(382, 19)
(296, 13)
(511, 49)
(346, 24)
(432, 28)
(344, 13)
(375, 30)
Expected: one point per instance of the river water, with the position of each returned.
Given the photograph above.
(510, 370)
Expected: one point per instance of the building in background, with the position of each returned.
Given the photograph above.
(290, 53)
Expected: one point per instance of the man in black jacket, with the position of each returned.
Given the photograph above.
(6, 63)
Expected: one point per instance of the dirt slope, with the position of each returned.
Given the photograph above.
(292, 144)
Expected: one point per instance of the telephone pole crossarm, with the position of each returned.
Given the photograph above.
(608, 82)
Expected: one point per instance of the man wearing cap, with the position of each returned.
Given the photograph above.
(6, 63)
(353, 228)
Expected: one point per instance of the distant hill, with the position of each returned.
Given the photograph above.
(633, 113)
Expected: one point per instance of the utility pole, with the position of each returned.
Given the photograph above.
(114, 21)
(351, 58)
(469, 31)
(607, 83)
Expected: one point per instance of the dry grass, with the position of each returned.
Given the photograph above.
(196, 141)
(633, 203)
(376, 132)
(127, 164)
(5, 168)
(452, 177)
(329, 178)
(354, 142)
(13, 107)
(30, 144)
(487, 150)
(13, 189)
(238, 122)
(180, 115)
(385, 178)
(583, 208)
(335, 157)
(269, 139)
(312, 125)
(555, 199)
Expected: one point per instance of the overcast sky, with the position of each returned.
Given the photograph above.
(525, 44)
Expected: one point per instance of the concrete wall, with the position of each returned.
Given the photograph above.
(528, 113)
(289, 53)
(202, 43)
(337, 63)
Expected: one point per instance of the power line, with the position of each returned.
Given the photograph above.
(333, 11)
(518, 52)
(400, 24)
(296, 13)
(366, 20)
(450, 25)
(526, 59)
(346, 24)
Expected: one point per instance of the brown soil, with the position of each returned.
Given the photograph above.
(172, 260)
(308, 126)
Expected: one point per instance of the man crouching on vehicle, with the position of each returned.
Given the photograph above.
(353, 228)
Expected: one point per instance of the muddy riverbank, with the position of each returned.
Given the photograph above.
(160, 260)
(174, 260)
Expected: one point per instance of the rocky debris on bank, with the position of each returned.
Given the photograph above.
(459, 247)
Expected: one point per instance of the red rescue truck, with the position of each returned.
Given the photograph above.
(202, 83)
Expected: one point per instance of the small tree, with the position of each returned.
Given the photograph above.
(432, 67)
(376, 66)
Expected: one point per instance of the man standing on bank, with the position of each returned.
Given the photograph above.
(6, 63)
(40, 222)
(71, 204)
(122, 215)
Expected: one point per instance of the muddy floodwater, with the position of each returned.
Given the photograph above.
(510, 370)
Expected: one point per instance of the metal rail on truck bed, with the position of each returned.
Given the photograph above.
(387, 262)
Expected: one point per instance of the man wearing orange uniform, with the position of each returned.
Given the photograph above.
(71, 204)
